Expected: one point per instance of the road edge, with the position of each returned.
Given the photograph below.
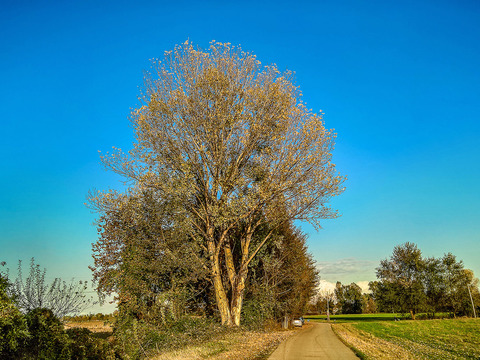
(357, 352)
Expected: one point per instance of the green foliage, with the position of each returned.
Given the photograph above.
(39, 334)
(258, 309)
(84, 346)
(401, 278)
(47, 338)
(409, 283)
(87, 317)
(134, 338)
(13, 327)
(145, 257)
(457, 282)
(368, 304)
(49, 341)
(13, 330)
(282, 279)
(349, 298)
(348, 318)
(4, 285)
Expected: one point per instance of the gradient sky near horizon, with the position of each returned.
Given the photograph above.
(399, 81)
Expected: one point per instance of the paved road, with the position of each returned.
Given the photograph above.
(316, 342)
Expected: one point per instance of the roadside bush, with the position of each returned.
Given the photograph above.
(13, 331)
(134, 338)
(256, 312)
(39, 334)
(47, 338)
(190, 330)
(13, 327)
(84, 346)
(138, 339)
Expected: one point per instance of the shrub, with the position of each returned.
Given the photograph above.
(422, 316)
(84, 346)
(256, 311)
(133, 337)
(39, 334)
(13, 331)
(188, 330)
(13, 327)
(47, 338)
(138, 339)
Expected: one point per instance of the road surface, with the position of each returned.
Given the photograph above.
(316, 342)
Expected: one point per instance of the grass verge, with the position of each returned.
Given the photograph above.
(193, 339)
(357, 352)
(237, 344)
(427, 339)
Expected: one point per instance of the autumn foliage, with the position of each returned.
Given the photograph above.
(226, 154)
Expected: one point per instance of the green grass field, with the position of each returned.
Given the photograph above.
(430, 339)
(347, 318)
(377, 336)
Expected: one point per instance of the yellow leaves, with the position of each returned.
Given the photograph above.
(218, 120)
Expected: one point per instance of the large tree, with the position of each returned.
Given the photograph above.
(231, 143)
(435, 285)
(459, 283)
(349, 298)
(402, 276)
(146, 259)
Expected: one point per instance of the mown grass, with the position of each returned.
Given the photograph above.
(426, 339)
(346, 318)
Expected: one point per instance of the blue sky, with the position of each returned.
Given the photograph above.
(399, 82)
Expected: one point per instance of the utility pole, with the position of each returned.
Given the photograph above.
(328, 307)
(471, 299)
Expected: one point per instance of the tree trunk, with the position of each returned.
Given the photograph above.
(220, 295)
(412, 313)
(237, 298)
(230, 311)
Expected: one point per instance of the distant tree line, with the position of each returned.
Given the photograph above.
(344, 299)
(410, 284)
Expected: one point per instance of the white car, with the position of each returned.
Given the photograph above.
(297, 322)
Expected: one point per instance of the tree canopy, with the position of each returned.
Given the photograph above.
(408, 282)
(228, 145)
